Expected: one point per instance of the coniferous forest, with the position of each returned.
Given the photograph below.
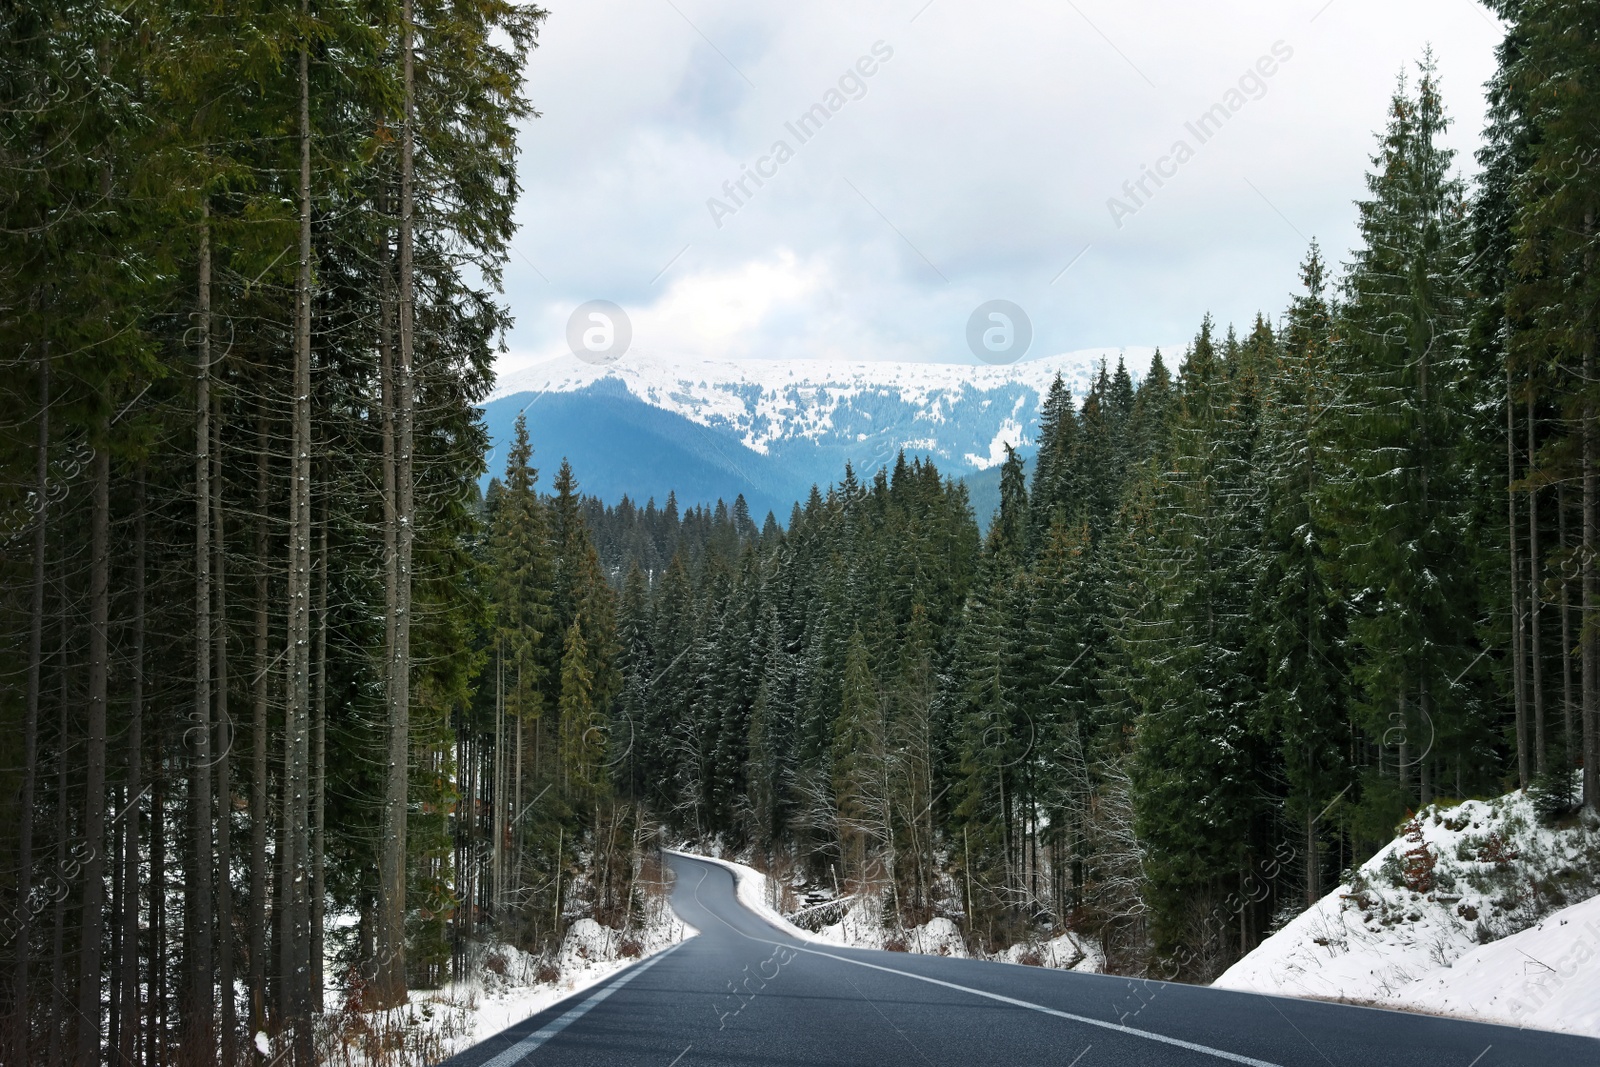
(290, 707)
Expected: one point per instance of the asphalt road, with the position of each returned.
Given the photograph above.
(745, 993)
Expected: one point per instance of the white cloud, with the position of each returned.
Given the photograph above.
(723, 311)
(977, 165)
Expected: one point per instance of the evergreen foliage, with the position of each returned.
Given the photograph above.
(283, 682)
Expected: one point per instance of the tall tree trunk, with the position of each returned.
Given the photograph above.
(1586, 627)
(259, 744)
(224, 740)
(1568, 735)
(113, 921)
(1535, 652)
(22, 1022)
(1586, 635)
(296, 945)
(319, 769)
(514, 794)
(498, 787)
(92, 921)
(391, 975)
(1518, 664)
(58, 967)
(1403, 757)
(391, 559)
(155, 1029)
(1313, 864)
(200, 1012)
(128, 1035)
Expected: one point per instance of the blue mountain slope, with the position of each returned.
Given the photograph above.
(620, 445)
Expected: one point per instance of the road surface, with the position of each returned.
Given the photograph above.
(744, 993)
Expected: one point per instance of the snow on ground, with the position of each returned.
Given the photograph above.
(505, 986)
(1454, 916)
(755, 891)
(508, 988)
(861, 926)
(1545, 976)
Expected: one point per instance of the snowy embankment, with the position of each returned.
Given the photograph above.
(510, 985)
(505, 985)
(860, 925)
(1477, 910)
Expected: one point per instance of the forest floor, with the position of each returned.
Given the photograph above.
(510, 985)
(1478, 909)
(504, 985)
(855, 920)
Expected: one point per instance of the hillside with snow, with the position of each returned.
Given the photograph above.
(1481, 910)
(770, 429)
(766, 402)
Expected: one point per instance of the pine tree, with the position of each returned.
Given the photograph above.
(1399, 500)
(1547, 108)
(1056, 491)
(582, 740)
(859, 761)
(1305, 703)
(1196, 675)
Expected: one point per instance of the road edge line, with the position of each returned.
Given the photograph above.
(522, 1049)
(1207, 1050)
(1148, 1035)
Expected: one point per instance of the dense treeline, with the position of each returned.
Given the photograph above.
(1234, 625)
(285, 690)
(248, 262)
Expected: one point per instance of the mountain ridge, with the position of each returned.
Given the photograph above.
(709, 429)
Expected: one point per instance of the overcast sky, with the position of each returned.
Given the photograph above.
(975, 162)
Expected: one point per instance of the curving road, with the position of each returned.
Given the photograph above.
(744, 993)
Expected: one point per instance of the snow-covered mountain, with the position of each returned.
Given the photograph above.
(771, 428)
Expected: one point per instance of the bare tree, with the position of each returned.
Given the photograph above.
(92, 925)
(1519, 674)
(21, 1027)
(259, 741)
(127, 1036)
(295, 920)
(200, 1006)
(391, 970)
(224, 744)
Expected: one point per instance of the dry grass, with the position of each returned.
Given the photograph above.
(417, 1034)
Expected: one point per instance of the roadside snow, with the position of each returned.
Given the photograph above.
(1460, 915)
(1544, 977)
(755, 891)
(507, 990)
(861, 926)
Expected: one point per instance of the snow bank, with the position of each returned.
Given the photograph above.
(755, 891)
(1545, 976)
(1436, 920)
(861, 926)
(507, 987)
(1068, 952)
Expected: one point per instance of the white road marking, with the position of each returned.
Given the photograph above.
(516, 1053)
(1207, 1050)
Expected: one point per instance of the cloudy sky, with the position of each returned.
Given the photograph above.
(976, 162)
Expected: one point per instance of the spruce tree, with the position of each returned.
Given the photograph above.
(1400, 497)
